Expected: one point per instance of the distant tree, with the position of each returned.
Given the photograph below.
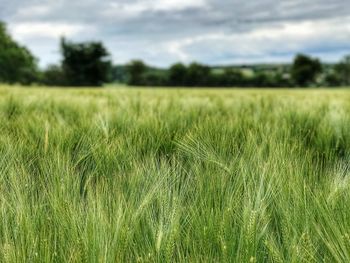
(232, 78)
(177, 75)
(281, 80)
(154, 79)
(85, 64)
(17, 64)
(198, 75)
(332, 79)
(342, 71)
(305, 70)
(269, 79)
(119, 74)
(136, 71)
(54, 76)
(262, 79)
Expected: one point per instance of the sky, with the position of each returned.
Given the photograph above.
(162, 32)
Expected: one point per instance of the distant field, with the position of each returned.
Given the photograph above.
(177, 175)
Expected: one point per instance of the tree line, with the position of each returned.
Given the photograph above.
(303, 72)
(82, 64)
(89, 64)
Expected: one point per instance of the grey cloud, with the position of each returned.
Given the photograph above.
(147, 31)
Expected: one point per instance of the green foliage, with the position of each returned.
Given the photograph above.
(153, 78)
(305, 70)
(85, 64)
(197, 75)
(17, 64)
(177, 75)
(136, 70)
(119, 74)
(332, 79)
(342, 71)
(131, 175)
(232, 77)
(54, 75)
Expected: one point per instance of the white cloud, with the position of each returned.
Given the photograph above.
(33, 11)
(45, 30)
(260, 44)
(128, 10)
(164, 31)
(171, 5)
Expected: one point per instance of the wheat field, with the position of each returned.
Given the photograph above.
(174, 175)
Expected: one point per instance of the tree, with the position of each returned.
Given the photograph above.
(85, 64)
(198, 75)
(154, 79)
(305, 70)
(177, 75)
(17, 64)
(119, 74)
(342, 71)
(332, 79)
(54, 76)
(232, 78)
(136, 70)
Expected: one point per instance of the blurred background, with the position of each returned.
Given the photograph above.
(176, 43)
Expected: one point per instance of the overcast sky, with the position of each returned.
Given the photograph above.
(165, 31)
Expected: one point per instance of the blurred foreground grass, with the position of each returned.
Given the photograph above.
(126, 175)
